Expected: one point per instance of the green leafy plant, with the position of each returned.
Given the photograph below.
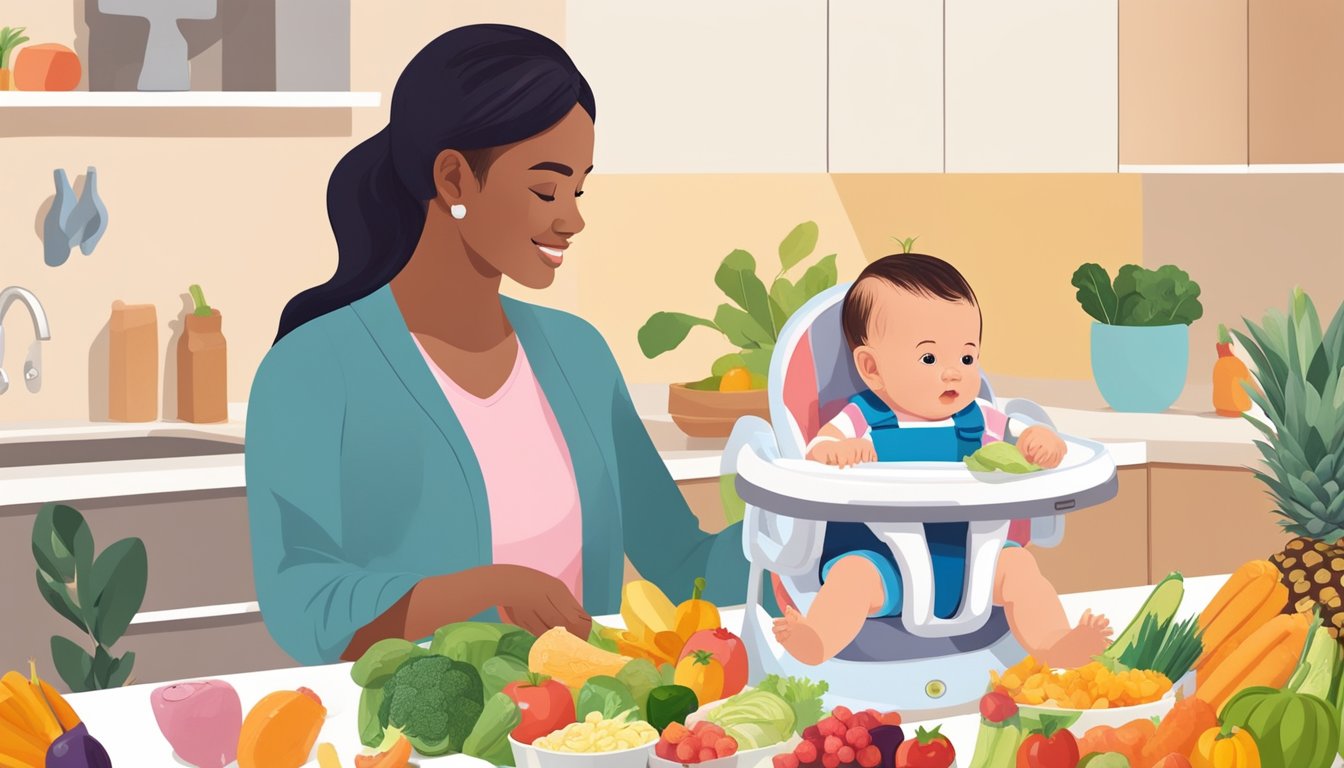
(1138, 296)
(752, 325)
(10, 38)
(98, 595)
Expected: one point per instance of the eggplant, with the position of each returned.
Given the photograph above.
(77, 749)
(887, 738)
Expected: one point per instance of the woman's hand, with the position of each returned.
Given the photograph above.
(843, 453)
(1041, 446)
(537, 602)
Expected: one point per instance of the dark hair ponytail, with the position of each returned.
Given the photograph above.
(471, 89)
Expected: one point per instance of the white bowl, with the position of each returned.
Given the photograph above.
(761, 757)
(528, 756)
(732, 761)
(1079, 721)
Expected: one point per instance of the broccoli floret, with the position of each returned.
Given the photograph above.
(436, 701)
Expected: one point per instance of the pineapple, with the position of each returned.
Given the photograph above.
(1299, 371)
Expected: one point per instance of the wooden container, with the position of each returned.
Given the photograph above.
(133, 363)
(709, 413)
(202, 370)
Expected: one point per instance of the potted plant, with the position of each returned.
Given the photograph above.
(10, 38)
(736, 383)
(1141, 337)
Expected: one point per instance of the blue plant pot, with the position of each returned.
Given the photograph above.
(1140, 369)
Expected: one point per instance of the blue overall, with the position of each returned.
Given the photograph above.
(947, 541)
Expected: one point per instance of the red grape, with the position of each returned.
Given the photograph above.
(807, 752)
(811, 733)
(843, 714)
(830, 761)
(831, 727)
(787, 761)
(833, 745)
(858, 738)
(725, 747)
(870, 757)
(707, 754)
(865, 721)
(688, 750)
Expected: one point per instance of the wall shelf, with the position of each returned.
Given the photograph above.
(189, 99)
(1256, 168)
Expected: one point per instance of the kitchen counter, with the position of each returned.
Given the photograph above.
(122, 720)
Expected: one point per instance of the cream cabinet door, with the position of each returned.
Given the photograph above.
(886, 86)
(1031, 85)
(704, 86)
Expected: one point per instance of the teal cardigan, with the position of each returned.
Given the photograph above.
(361, 481)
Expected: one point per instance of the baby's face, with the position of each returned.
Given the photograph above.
(925, 352)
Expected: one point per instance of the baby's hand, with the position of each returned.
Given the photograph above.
(843, 453)
(1041, 446)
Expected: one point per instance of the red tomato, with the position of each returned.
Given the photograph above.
(728, 650)
(929, 749)
(1059, 750)
(546, 706)
(997, 707)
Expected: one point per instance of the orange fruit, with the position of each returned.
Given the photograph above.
(735, 380)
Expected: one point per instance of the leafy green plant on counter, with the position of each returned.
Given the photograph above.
(753, 325)
(1138, 296)
(10, 38)
(98, 595)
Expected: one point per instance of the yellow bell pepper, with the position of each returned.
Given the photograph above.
(702, 673)
(1224, 748)
(696, 614)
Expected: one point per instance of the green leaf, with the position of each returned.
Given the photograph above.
(740, 328)
(121, 670)
(62, 543)
(710, 384)
(1164, 296)
(665, 331)
(727, 363)
(758, 360)
(734, 508)
(57, 597)
(817, 278)
(72, 663)
(1095, 293)
(120, 575)
(737, 279)
(798, 245)
(102, 667)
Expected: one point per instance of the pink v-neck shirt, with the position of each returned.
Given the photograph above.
(535, 517)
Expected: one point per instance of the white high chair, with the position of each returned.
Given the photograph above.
(916, 662)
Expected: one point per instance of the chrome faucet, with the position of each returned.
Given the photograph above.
(32, 374)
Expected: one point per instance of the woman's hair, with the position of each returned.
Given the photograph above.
(473, 89)
(913, 272)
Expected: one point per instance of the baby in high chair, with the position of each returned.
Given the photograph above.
(913, 325)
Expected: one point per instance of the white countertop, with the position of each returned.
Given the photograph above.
(122, 720)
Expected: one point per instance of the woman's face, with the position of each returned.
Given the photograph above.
(521, 216)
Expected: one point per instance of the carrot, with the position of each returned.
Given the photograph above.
(1180, 729)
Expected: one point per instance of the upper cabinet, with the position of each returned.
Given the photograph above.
(1031, 85)
(1183, 82)
(1296, 81)
(704, 86)
(886, 86)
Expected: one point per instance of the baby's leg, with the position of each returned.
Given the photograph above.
(852, 592)
(1037, 617)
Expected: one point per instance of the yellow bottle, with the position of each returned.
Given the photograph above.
(1230, 398)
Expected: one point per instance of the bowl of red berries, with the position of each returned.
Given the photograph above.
(847, 739)
(704, 745)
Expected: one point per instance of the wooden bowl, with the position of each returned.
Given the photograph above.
(708, 413)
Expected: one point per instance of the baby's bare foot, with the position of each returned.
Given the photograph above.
(1079, 645)
(799, 638)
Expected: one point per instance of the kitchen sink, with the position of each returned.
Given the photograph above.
(92, 450)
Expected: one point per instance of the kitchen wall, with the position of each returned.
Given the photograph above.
(234, 200)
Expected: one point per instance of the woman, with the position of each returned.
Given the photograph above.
(422, 450)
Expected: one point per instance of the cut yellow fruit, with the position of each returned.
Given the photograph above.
(327, 757)
(646, 610)
(564, 657)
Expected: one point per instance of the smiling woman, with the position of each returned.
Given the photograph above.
(422, 450)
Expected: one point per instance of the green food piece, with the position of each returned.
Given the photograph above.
(1103, 760)
(1096, 294)
(640, 677)
(670, 704)
(489, 740)
(1170, 649)
(498, 672)
(598, 639)
(472, 641)
(436, 701)
(1291, 730)
(1316, 675)
(382, 659)
(606, 695)
(756, 718)
(667, 673)
(517, 645)
(1138, 296)
(1161, 604)
(997, 744)
(370, 724)
(803, 697)
(198, 298)
(1001, 456)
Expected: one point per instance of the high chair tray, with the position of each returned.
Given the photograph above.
(916, 492)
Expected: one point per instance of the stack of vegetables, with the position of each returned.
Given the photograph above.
(38, 728)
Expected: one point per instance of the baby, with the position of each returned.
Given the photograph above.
(914, 327)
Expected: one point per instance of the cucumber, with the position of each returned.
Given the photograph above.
(1322, 657)
(1162, 605)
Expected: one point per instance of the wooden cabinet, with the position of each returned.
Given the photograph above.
(1296, 81)
(1206, 521)
(1183, 82)
(886, 86)
(704, 86)
(1106, 546)
(1031, 85)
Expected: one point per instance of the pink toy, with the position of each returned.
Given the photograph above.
(201, 720)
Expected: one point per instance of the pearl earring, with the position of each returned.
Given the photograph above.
(458, 211)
